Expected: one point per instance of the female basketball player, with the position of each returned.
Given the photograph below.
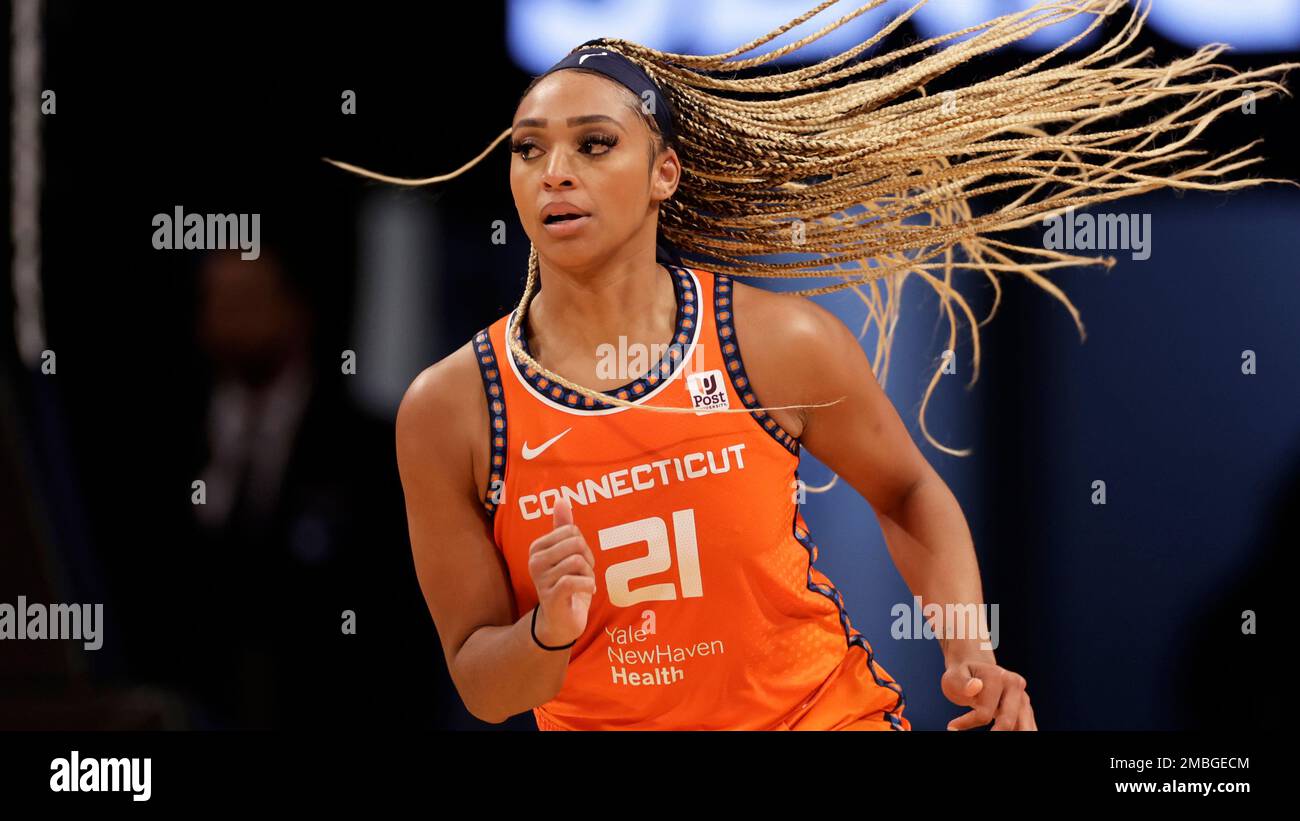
(626, 550)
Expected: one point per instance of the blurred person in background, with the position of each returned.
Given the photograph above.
(303, 592)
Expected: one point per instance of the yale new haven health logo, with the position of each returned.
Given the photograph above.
(708, 391)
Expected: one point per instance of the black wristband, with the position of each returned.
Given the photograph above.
(545, 646)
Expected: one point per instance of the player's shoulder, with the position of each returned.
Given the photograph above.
(444, 379)
(443, 397)
(782, 321)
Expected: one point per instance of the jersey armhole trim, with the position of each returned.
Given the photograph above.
(729, 344)
(800, 530)
(496, 401)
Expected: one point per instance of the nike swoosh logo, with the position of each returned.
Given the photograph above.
(585, 56)
(531, 453)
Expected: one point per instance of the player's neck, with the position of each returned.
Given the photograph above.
(578, 312)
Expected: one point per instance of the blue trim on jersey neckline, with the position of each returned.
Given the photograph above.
(687, 316)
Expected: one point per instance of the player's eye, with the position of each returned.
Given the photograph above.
(586, 145)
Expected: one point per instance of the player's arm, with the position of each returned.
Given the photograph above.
(816, 358)
(497, 668)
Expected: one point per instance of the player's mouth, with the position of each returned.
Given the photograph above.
(563, 220)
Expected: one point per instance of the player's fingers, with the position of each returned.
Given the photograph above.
(575, 544)
(975, 718)
(1008, 710)
(556, 544)
(566, 540)
(572, 565)
(545, 576)
(1010, 688)
(959, 686)
(575, 584)
(1027, 720)
(562, 514)
(551, 537)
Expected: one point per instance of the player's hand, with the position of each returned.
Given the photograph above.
(994, 693)
(564, 572)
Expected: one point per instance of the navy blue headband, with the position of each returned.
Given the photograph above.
(622, 70)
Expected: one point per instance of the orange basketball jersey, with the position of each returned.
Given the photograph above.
(709, 612)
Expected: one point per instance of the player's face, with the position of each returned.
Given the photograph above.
(579, 139)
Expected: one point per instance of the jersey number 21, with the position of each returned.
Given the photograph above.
(654, 532)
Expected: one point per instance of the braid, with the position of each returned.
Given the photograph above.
(874, 178)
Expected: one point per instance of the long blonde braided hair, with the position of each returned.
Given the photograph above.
(874, 178)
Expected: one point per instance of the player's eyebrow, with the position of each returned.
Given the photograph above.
(540, 122)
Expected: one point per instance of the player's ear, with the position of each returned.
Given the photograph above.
(665, 174)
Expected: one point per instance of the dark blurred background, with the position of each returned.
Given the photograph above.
(177, 366)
